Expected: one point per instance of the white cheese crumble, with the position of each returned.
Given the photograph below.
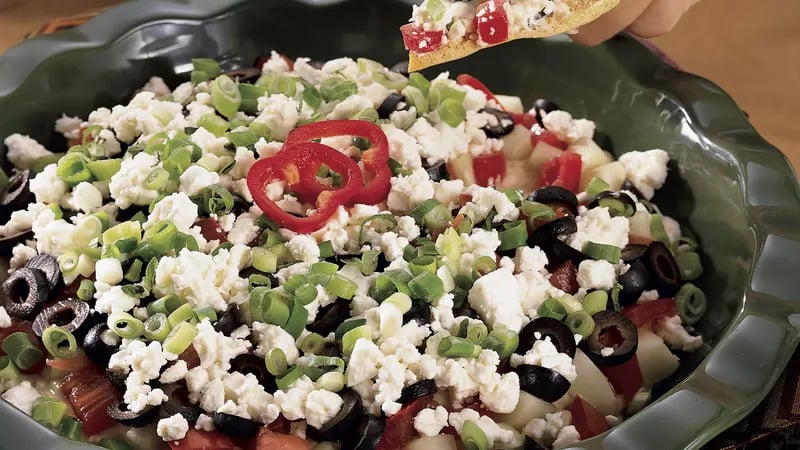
(172, 428)
(545, 354)
(496, 298)
(596, 275)
(22, 151)
(646, 170)
(429, 422)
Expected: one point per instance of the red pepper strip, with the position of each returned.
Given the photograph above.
(525, 119)
(376, 159)
(287, 165)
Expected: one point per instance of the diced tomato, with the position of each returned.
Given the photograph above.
(564, 171)
(418, 40)
(280, 425)
(586, 419)
(491, 21)
(489, 169)
(74, 364)
(526, 120)
(203, 440)
(270, 440)
(643, 314)
(90, 392)
(399, 429)
(211, 230)
(635, 239)
(626, 378)
(565, 277)
(539, 133)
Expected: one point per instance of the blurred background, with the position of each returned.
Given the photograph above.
(751, 49)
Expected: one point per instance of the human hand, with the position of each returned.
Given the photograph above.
(643, 18)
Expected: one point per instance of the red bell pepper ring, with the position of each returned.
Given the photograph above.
(375, 159)
(287, 166)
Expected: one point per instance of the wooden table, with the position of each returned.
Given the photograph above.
(752, 52)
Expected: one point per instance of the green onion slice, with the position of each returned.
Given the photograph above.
(225, 96)
(59, 342)
(691, 302)
(22, 351)
(456, 347)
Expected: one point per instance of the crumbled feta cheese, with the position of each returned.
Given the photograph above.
(205, 423)
(303, 248)
(364, 362)
(403, 148)
(174, 373)
(494, 433)
(553, 431)
(47, 186)
(22, 151)
(114, 300)
(272, 336)
(244, 230)
(597, 225)
(279, 113)
(566, 128)
(429, 422)
(646, 170)
(69, 127)
(196, 178)
(157, 86)
(486, 199)
(20, 254)
(649, 295)
(172, 428)
(675, 335)
(127, 185)
(5, 319)
(321, 407)
(496, 298)
(596, 275)
(85, 197)
(531, 259)
(22, 396)
(545, 354)
(407, 192)
(292, 403)
(275, 64)
(108, 270)
(448, 192)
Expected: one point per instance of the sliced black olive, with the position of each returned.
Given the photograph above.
(178, 402)
(612, 330)
(632, 252)
(235, 426)
(419, 389)
(558, 251)
(343, 260)
(541, 382)
(542, 107)
(245, 74)
(628, 186)
(240, 205)
(553, 229)
(8, 242)
(392, 103)
(618, 203)
(368, 433)
(125, 215)
(401, 68)
(465, 311)
(530, 444)
(633, 282)
(502, 124)
(16, 195)
(96, 349)
(342, 424)
(664, 272)
(543, 327)
(117, 378)
(48, 264)
(24, 292)
(249, 363)
(72, 315)
(420, 312)
(604, 141)
(330, 317)
(117, 411)
(226, 322)
(330, 350)
(436, 172)
(555, 194)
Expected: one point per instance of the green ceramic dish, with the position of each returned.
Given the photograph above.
(738, 194)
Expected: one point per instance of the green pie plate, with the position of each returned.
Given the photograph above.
(737, 193)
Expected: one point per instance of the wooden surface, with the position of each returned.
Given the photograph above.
(751, 49)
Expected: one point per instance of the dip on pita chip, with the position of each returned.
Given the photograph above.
(446, 30)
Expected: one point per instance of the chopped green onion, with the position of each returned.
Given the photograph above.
(552, 308)
(330, 381)
(217, 200)
(208, 66)
(436, 9)
(22, 351)
(689, 243)
(690, 265)
(570, 303)
(278, 84)
(59, 342)
(514, 196)
(337, 88)
(86, 290)
(616, 207)
(272, 238)
(536, 210)
(426, 286)
(182, 314)
(390, 80)
(369, 114)
(502, 341)
(71, 429)
(160, 237)
(440, 91)
(597, 251)
(156, 179)
(264, 260)
(312, 343)
(242, 138)
(306, 293)
(261, 130)
(73, 169)
(198, 77)
(298, 316)
(157, 327)
(402, 301)
(476, 332)
(324, 267)
(432, 214)
(390, 282)
(341, 287)
(285, 382)
(326, 249)
(48, 411)
(456, 347)
(380, 223)
(484, 264)
(425, 263)
(346, 326)
(9, 374)
(104, 169)
(416, 98)
(691, 302)
(596, 185)
(134, 272)
(615, 296)
(369, 262)
(275, 360)
(316, 366)
(126, 326)
(295, 281)
(114, 444)
(595, 301)
(180, 338)
(657, 230)
(256, 280)
(473, 436)
(225, 96)
(513, 235)
(139, 217)
(36, 166)
(580, 322)
(419, 81)
(250, 94)
(204, 313)
(311, 95)
(351, 337)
